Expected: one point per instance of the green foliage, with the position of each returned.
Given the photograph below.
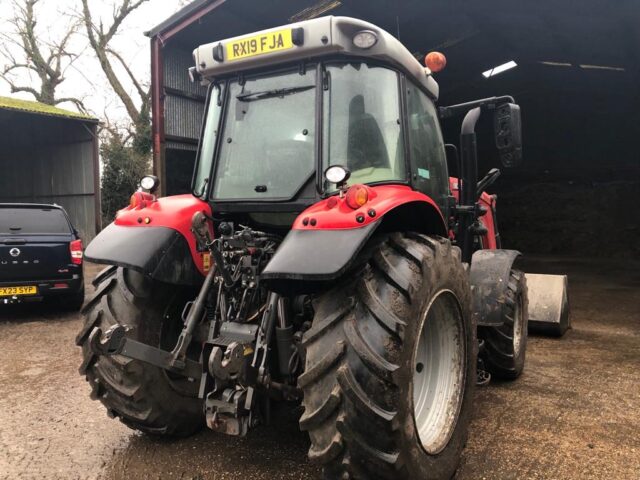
(124, 163)
(141, 141)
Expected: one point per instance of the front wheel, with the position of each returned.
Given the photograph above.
(505, 346)
(390, 365)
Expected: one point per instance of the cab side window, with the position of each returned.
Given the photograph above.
(428, 159)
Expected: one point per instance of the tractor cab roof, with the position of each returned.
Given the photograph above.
(310, 39)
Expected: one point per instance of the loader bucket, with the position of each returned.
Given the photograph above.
(548, 304)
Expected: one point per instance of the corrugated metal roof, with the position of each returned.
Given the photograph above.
(8, 103)
(177, 17)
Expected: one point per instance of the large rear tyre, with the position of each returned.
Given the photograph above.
(505, 346)
(390, 365)
(142, 396)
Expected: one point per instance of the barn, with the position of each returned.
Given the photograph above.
(573, 67)
(50, 155)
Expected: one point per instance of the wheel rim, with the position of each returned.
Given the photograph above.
(439, 372)
(518, 327)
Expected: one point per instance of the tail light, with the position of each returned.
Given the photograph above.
(141, 199)
(357, 196)
(75, 248)
(134, 201)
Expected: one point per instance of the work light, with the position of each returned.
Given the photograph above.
(365, 39)
(149, 183)
(337, 174)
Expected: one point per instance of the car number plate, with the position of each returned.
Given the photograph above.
(11, 291)
(259, 44)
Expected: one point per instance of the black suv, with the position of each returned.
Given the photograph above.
(40, 255)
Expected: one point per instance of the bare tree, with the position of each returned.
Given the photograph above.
(24, 49)
(100, 38)
(124, 150)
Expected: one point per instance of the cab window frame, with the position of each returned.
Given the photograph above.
(442, 203)
(403, 83)
(222, 84)
(240, 78)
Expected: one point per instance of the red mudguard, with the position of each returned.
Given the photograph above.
(326, 237)
(334, 213)
(173, 212)
(154, 237)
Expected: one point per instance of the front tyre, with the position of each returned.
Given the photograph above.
(505, 346)
(390, 365)
(142, 396)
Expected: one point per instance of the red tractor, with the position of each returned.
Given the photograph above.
(323, 257)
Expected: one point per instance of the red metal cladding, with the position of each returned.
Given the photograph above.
(334, 213)
(489, 240)
(173, 212)
(488, 201)
(157, 106)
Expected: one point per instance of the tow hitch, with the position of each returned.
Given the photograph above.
(114, 342)
(241, 325)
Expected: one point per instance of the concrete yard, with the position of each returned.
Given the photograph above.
(574, 414)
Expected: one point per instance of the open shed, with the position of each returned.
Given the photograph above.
(50, 155)
(574, 68)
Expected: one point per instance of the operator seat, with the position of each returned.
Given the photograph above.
(365, 144)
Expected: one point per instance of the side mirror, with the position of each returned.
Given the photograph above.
(194, 75)
(508, 134)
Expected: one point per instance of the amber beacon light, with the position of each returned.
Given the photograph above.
(435, 61)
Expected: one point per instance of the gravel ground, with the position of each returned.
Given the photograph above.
(574, 414)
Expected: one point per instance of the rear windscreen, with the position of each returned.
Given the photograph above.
(23, 221)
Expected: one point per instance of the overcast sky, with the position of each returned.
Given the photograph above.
(85, 78)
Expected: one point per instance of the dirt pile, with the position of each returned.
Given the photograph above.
(585, 219)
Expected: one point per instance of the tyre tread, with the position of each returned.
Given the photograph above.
(349, 396)
(136, 393)
(499, 355)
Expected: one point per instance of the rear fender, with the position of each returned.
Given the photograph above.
(489, 278)
(155, 238)
(328, 236)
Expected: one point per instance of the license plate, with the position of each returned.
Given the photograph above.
(259, 44)
(11, 291)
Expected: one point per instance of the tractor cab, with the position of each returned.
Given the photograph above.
(285, 105)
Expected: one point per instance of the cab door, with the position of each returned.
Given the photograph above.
(427, 156)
